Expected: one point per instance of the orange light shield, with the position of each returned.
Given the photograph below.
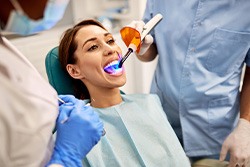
(131, 36)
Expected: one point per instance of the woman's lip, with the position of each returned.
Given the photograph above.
(117, 74)
(114, 59)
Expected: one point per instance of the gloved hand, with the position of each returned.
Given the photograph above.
(78, 130)
(148, 40)
(238, 145)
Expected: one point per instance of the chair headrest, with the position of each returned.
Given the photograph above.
(57, 77)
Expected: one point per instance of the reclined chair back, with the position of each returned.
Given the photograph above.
(57, 77)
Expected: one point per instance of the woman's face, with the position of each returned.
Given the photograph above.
(96, 51)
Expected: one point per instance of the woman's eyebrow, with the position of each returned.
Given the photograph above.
(91, 39)
(106, 34)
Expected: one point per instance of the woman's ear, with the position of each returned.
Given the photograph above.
(74, 71)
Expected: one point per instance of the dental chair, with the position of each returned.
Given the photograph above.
(57, 77)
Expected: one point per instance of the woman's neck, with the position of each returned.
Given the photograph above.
(105, 98)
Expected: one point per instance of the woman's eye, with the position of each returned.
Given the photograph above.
(93, 48)
(111, 41)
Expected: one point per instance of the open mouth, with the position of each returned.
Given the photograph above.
(113, 68)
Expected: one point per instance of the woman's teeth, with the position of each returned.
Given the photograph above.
(113, 67)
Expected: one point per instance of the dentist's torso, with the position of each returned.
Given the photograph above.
(202, 47)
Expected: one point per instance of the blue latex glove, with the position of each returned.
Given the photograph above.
(78, 130)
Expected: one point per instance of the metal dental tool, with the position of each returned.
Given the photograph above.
(60, 100)
(146, 29)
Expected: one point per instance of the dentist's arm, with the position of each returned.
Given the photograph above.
(78, 130)
(238, 142)
(245, 94)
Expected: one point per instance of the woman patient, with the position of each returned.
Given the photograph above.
(137, 130)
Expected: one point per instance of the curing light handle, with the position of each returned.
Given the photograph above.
(150, 25)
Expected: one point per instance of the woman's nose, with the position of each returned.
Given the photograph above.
(109, 50)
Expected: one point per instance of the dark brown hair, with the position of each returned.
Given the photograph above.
(67, 48)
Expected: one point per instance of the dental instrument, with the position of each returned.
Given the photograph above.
(134, 44)
(60, 100)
